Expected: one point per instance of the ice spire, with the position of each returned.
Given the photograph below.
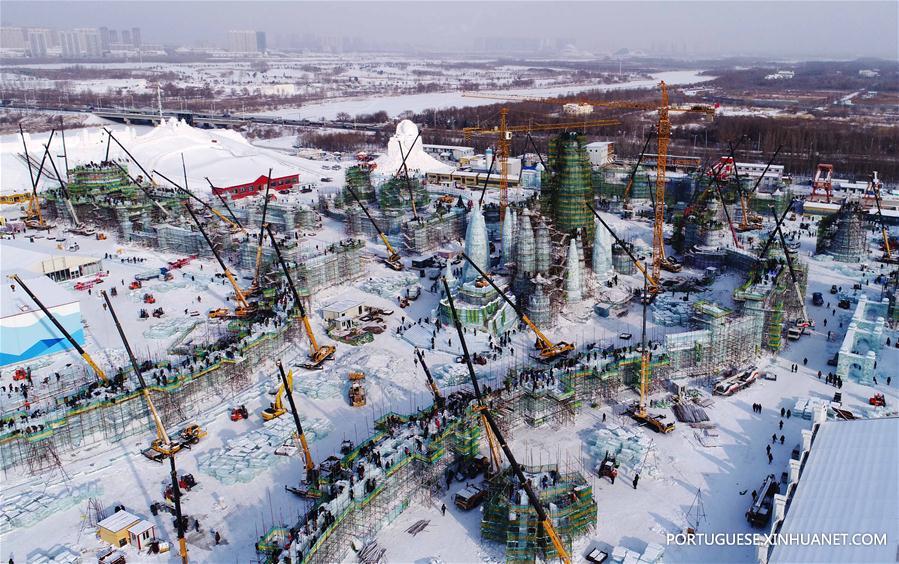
(448, 274)
(542, 248)
(507, 238)
(573, 274)
(602, 253)
(476, 244)
(525, 255)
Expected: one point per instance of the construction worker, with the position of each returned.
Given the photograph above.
(636, 479)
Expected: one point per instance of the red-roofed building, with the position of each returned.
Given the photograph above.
(257, 186)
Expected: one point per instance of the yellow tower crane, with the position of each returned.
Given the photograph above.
(663, 134)
(503, 133)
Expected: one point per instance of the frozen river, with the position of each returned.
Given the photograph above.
(395, 105)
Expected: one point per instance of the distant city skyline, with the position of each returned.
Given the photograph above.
(780, 30)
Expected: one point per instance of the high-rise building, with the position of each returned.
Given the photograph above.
(135, 36)
(113, 36)
(71, 46)
(38, 41)
(13, 38)
(261, 44)
(104, 38)
(126, 36)
(242, 41)
(91, 44)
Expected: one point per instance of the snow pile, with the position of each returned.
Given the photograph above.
(244, 458)
(390, 288)
(34, 504)
(629, 448)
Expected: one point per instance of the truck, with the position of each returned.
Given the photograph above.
(470, 497)
(743, 379)
(759, 513)
(817, 299)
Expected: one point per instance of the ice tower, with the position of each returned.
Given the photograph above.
(476, 244)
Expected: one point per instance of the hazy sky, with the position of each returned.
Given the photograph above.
(799, 29)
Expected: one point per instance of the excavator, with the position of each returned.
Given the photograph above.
(439, 400)
(162, 446)
(277, 409)
(244, 308)
(639, 412)
(311, 485)
(318, 354)
(393, 258)
(496, 435)
(548, 350)
(87, 358)
(653, 284)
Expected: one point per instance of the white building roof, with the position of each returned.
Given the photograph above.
(343, 305)
(118, 521)
(141, 527)
(47, 291)
(848, 485)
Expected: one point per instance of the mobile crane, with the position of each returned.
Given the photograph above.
(639, 412)
(33, 217)
(276, 409)
(805, 321)
(663, 134)
(311, 489)
(244, 308)
(64, 187)
(254, 287)
(493, 429)
(876, 184)
(163, 446)
(318, 354)
(87, 358)
(404, 156)
(224, 202)
(548, 350)
(393, 258)
(439, 400)
(625, 198)
(749, 221)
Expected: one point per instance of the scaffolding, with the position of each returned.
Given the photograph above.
(569, 190)
(509, 518)
(846, 241)
(394, 195)
(428, 233)
(412, 474)
(317, 269)
(111, 419)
